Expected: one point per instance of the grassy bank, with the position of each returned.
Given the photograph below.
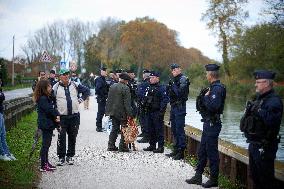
(21, 173)
(18, 86)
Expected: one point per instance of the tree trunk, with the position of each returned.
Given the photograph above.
(225, 52)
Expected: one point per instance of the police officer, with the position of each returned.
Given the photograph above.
(214, 101)
(101, 88)
(156, 103)
(178, 90)
(142, 114)
(132, 84)
(261, 124)
(51, 78)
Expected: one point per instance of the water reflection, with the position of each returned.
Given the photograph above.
(231, 119)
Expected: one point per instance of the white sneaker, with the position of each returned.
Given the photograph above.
(4, 158)
(12, 157)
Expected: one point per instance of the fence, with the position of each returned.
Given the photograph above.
(16, 108)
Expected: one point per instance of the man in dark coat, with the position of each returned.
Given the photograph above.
(214, 101)
(261, 125)
(118, 107)
(101, 87)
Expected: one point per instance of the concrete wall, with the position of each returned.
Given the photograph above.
(233, 159)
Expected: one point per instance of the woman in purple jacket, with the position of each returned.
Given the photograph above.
(48, 117)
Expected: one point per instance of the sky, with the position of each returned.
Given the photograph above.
(23, 17)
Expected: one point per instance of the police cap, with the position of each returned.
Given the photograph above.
(103, 68)
(124, 76)
(118, 71)
(174, 66)
(154, 73)
(264, 74)
(146, 71)
(212, 67)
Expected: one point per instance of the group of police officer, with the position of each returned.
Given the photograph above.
(260, 123)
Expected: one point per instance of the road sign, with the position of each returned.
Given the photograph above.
(45, 57)
(73, 66)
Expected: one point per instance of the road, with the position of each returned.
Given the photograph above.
(17, 93)
(97, 168)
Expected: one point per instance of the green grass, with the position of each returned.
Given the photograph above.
(21, 173)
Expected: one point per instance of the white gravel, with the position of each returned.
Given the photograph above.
(95, 167)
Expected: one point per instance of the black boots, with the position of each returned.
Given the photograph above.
(143, 140)
(212, 182)
(112, 148)
(159, 150)
(99, 129)
(196, 179)
(150, 148)
(179, 155)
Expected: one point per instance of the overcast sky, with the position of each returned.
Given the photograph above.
(23, 17)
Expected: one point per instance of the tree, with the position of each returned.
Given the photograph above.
(276, 9)
(3, 71)
(225, 18)
(149, 43)
(58, 38)
(259, 47)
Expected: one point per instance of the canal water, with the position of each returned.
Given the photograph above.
(233, 112)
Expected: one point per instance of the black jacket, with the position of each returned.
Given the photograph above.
(46, 113)
(2, 98)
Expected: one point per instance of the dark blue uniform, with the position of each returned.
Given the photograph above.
(261, 125)
(101, 87)
(52, 81)
(143, 116)
(264, 144)
(133, 87)
(178, 92)
(214, 104)
(156, 103)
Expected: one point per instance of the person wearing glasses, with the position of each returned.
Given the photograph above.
(41, 75)
(261, 125)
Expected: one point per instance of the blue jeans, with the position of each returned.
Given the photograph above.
(3, 144)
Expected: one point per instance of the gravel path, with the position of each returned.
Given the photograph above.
(95, 167)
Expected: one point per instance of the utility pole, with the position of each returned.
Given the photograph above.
(13, 81)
